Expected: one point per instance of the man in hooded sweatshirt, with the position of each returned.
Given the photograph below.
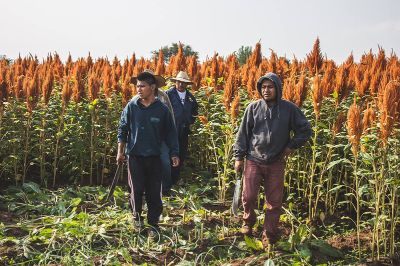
(264, 140)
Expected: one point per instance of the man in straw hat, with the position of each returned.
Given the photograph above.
(264, 139)
(146, 122)
(185, 111)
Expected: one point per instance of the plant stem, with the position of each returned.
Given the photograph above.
(321, 178)
(92, 145)
(58, 134)
(26, 148)
(313, 168)
(375, 232)
(357, 181)
(42, 144)
(394, 197)
(106, 143)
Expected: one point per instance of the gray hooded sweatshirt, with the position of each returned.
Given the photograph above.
(265, 131)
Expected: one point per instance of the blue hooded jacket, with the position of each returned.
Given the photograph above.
(265, 132)
(144, 128)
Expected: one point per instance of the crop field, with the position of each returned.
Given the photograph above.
(58, 139)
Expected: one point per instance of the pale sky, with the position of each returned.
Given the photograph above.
(122, 27)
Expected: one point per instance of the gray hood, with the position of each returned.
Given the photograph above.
(275, 79)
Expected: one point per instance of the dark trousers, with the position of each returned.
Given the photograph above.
(144, 177)
(183, 140)
(272, 177)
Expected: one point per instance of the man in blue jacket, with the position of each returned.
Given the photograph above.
(185, 111)
(165, 156)
(265, 142)
(145, 123)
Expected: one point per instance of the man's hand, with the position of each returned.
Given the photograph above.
(121, 153)
(175, 161)
(239, 166)
(120, 158)
(285, 154)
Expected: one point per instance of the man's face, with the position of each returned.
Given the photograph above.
(268, 90)
(144, 90)
(180, 86)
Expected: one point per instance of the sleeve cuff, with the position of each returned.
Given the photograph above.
(121, 140)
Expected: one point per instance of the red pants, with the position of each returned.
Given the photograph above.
(272, 176)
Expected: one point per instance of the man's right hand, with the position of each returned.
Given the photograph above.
(120, 158)
(239, 166)
(121, 152)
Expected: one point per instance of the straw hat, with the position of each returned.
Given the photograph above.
(182, 77)
(160, 81)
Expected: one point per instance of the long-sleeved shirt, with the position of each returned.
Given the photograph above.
(144, 128)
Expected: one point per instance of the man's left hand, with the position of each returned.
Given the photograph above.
(285, 154)
(175, 161)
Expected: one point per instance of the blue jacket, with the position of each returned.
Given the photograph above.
(185, 115)
(144, 128)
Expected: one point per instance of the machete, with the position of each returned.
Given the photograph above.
(115, 181)
(236, 194)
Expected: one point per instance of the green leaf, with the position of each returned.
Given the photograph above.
(305, 252)
(118, 192)
(31, 187)
(75, 202)
(60, 208)
(253, 243)
(284, 245)
(326, 249)
(333, 163)
(46, 232)
(335, 188)
(363, 189)
(95, 102)
(220, 152)
(303, 232)
(82, 216)
(68, 223)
